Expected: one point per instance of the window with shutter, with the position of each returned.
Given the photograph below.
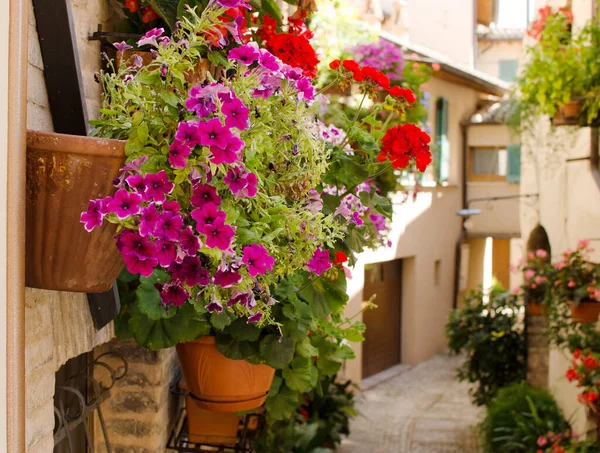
(514, 163)
(441, 139)
(507, 70)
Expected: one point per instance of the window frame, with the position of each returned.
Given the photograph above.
(484, 177)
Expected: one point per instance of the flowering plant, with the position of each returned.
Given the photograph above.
(382, 55)
(536, 275)
(585, 371)
(563, 15)
(566, 442)
(575, 277)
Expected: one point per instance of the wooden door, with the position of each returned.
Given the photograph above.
(381, 349)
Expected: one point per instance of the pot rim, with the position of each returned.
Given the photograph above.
(80, 145)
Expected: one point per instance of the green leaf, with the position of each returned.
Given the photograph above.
(283, 405)
(235, 349)
(326, 296)
(142, 133)
(272, 9)
(353, 334)
(328, 366)
(304, 348)
(148, 296)
(221, 320)
(218, 59)
(298, 375)
(241, 330)
(277, 354)
(167, 9)
(148, 77)
(170, 98)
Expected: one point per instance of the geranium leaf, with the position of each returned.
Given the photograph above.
(167, 9)
(235, 349)
(305, 349)
(283, 405)
(298, 375)
(221, 320)
(275, 352)
(241, 330)
(148, 297)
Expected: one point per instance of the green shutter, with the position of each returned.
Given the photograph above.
(514, 163)
(507, 70)
(441, 139)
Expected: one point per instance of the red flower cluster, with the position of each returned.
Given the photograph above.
(149, 15)
(293, 47)
(537, 26)
(132, 5)
(404, 143)
(585, 371)
(372, 79)
(230, 15)
(340, 258)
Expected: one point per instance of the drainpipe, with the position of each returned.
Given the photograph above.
(15, 226)
(594, 154)
(463, 230)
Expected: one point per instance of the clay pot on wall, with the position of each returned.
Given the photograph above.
(64, 172)
(535, 309)
(220, 384)
(568, 115)
(585, 312)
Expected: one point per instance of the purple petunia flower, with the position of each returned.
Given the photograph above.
(203, 193)
(193, 273)
(268, 84)
(178, 153)
(171, 206)
(137, 183)
(230, 154)
(207, 214)
(379, 221)
(174, 294)
(236, 114)
(188, 132)
(291, 73)
(122, 46)
(234, 4)
(212, 132)
(306, 90)
(157, 186)
(92, 218)
(319, 262)
(214, 306)
(142, 266)
(269, 61)
(226, 278)
(189, 242)
(314, 201)
(240, 297)
(250, 189)
(148, 219)
(246, 54)
(125, 204)
(150, 37)
(135, 165)
(218, 235)
(255, 317)
(166, 252)
(356, 218)
(258, 260)
(236, 179)
(168, 226)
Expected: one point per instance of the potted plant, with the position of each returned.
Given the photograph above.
(575, 281)
(585, 372)
(561, 77)
(235, 216)
(536, 281)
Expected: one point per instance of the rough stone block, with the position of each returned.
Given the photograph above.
(39, 423)
(43, 445)
(38, 352)
(39, 386)
(138, 402)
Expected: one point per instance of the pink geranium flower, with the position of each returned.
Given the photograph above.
(319, 262)
(125, 204)
(258, 260)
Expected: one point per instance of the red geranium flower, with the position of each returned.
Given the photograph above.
(406, 93)
(340, 257)
(571, 375)
(335, 64)
(132, 5)
(404, 143)
(148, 15)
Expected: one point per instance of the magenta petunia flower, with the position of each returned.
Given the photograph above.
(150, 37)
(174, 294)
(234, 4)
(269, 61)
(250, 189)
(214, 306)
(228, 155)
(356, 219)
(135, 165)
(166, 252)
(239, 297)
(218, 235)
(168, 226)
(157, 186)
(226, 278)
(122, 46)
(188, 132)
(379, 221)
(306, 90)
(207, 214)
(236, 179)
(92, 218)
(189, 242)
(319, 262)
(148, 219)
(178, 154)
(125, 204)
(203, 193)
(212, 132)
(193, 273)
(258, 260)
(130, 242)
(236, 114)
(246, 54)
(171, 206)
(137, 183)
(291, 73)
(142, 266)
(255, 317)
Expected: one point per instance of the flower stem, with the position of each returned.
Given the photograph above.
(326, 87)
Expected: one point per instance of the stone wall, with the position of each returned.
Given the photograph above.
(538, 351)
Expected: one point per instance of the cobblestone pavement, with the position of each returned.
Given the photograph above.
(421, 410)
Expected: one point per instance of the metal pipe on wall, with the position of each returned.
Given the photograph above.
(15, 223)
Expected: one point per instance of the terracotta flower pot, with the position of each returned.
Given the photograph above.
(585, 312)
(221, 384)
(63, 173)
(568, 114)
(197, 76)
(208, 427)
(535, 309)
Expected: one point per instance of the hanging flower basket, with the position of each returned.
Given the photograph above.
(63, 173)
(536, 309)
(221, 384)
(568, 114)
(585, 312)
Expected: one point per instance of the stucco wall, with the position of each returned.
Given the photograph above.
(489, 53)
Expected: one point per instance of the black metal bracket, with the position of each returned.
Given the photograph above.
(104, 307)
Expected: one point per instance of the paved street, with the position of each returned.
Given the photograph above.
(421, 409)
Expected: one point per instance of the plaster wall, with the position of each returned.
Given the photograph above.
(489, 53)
(567, 208)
